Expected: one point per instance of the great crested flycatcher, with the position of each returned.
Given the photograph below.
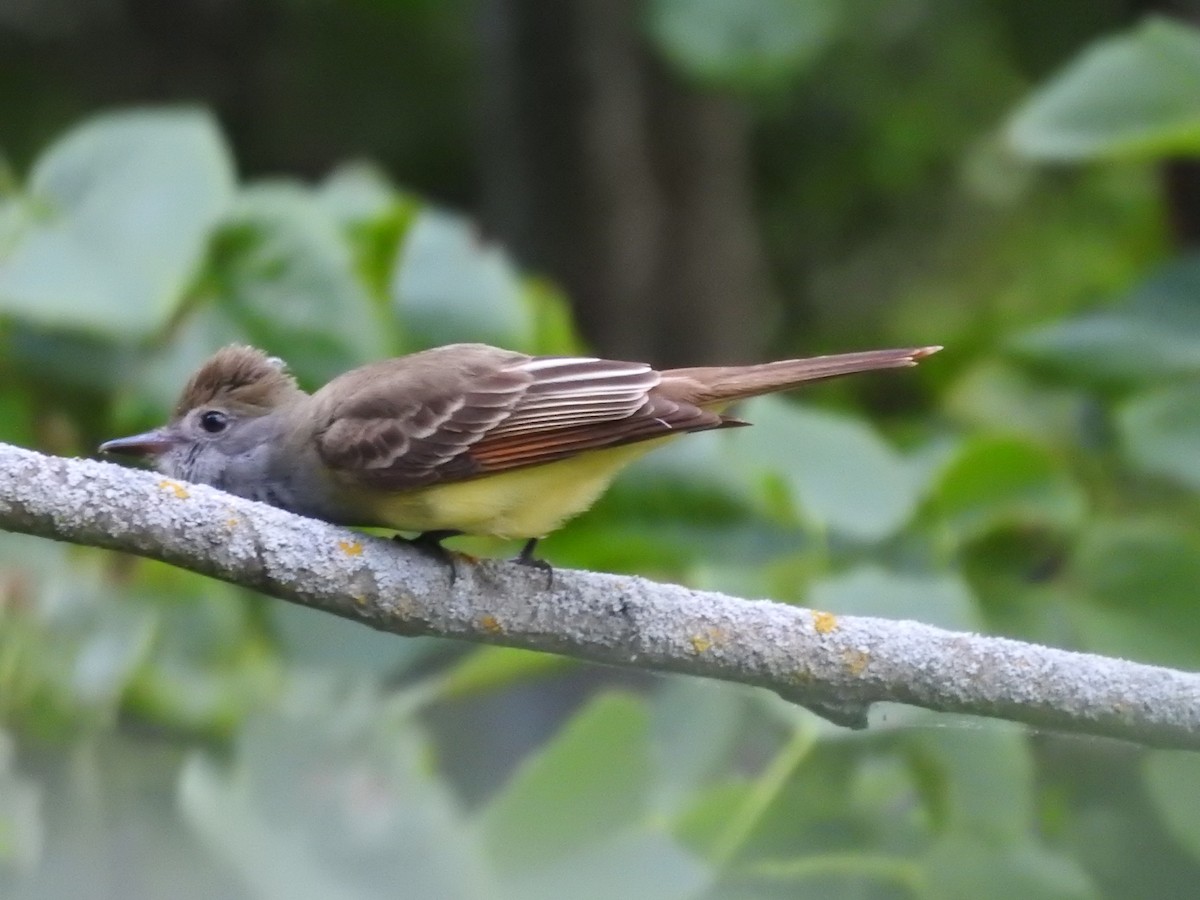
(462, 439)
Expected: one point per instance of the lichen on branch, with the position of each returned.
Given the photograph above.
(835, 665)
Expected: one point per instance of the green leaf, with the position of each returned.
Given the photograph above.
(21, 827)
(18, 412)
(155, 381)
(960, 866)
(356, 193)
(1173, 781)
(78, 362)
(284, 272)
(943, 600)
(998, 482)
(842, 474)
(697, 725)
(1131, 563)
(635, 865)
(331, 797)
(1136, 95)
(489, 669)
(273, 866)
(208, 665)
(451, 285)
(1160, 432)
(1142, 579)
(1151, 334)
(1001, 398)
(587, 785)
(312, 639)
(110, 654)
(984, 778)
(115, 223)
(1113, 345)
(74, 647)
(111, 829)
(552, 320)
(703, 825)
(752, 43)
(1013, 574)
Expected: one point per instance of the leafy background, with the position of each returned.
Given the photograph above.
(1011, 180)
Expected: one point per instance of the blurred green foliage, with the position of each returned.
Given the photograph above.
(1136, 95)
(165, 735)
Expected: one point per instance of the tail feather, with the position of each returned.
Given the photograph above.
(711, 385)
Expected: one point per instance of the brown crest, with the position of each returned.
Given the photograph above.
(240, 377)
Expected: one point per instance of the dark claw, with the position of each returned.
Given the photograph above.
(430, 543)
(526, 558)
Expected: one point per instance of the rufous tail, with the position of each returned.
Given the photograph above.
(712, 385)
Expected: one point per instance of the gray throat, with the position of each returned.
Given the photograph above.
(260, 461)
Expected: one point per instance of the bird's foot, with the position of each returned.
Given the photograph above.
(526, 558)
(430, 543)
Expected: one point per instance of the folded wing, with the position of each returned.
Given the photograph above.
(401, 431)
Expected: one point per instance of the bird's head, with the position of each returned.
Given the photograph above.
(222, 414)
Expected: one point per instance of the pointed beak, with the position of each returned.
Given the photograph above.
(151, 443)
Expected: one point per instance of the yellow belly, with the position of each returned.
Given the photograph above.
(523, 503)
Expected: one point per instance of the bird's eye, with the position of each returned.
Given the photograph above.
(214, 421)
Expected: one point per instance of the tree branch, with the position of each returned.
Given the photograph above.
(837, 666)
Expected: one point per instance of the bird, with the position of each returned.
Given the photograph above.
(459, 439)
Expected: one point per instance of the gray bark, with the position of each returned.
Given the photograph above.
(835, 665)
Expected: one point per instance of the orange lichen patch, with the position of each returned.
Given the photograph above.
(491, 625)
(706, 640)
(856, 661)
(350, 548)
(175, 487)
(232, 523)
(824, 622)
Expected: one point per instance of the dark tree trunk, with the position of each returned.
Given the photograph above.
(1181, 182)
(1180, 177)
(603, 169)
